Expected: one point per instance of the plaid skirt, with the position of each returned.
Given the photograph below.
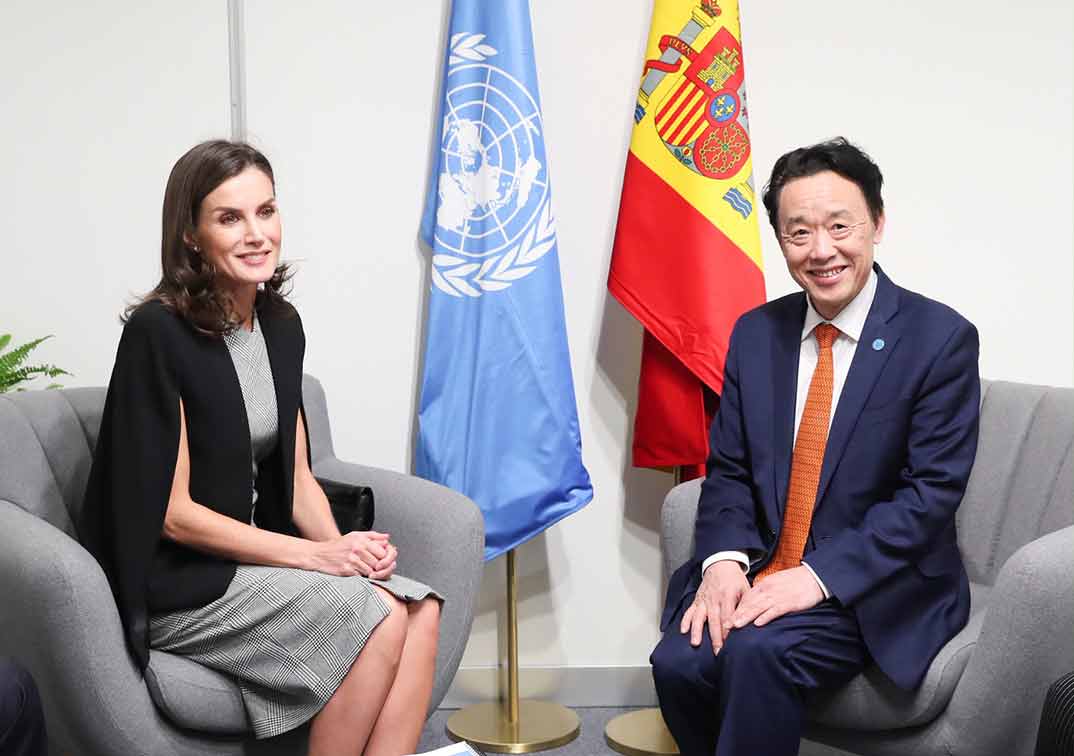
(286, 636)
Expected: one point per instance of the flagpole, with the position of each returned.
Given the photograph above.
(512, 640)
(642, 732)
(514, 725)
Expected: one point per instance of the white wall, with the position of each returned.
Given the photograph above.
(965, 105)
(98, 101)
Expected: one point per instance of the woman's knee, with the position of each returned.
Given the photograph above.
(424, 620)
(390, 633)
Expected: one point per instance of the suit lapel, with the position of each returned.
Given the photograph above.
(865, 369)
(785, 347)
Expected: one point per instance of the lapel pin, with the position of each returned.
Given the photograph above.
(878, 344)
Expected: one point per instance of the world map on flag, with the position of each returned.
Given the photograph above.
(493, 219)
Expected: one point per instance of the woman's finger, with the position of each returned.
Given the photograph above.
(377, 549)
(388, 558)
(385, 573)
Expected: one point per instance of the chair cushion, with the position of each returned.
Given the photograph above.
(194, 696)
(872, 702)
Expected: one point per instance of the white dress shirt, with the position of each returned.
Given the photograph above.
(849, 321)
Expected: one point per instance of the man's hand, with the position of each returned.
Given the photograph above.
(722, 586)
(793, 590)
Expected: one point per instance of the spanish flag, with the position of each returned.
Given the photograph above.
(687, 256)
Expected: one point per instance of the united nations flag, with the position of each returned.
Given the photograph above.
(498, 419)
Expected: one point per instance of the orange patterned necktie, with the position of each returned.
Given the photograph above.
(807, 459)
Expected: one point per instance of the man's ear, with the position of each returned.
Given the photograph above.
(878, 235)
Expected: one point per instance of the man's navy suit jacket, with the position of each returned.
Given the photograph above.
(899, 453)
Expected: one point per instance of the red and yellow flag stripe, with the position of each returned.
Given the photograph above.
(687, 256)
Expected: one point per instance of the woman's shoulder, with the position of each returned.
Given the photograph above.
(155, 322)
(279, 310)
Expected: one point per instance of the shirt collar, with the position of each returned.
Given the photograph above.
(851, 319)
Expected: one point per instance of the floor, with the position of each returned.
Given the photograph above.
(590, 742)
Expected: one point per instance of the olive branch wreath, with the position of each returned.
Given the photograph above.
(465, 46)
(458, 276)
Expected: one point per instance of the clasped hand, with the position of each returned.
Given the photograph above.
(365, 552)
(726, 601)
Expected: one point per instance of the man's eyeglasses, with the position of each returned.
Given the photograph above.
(804, 236)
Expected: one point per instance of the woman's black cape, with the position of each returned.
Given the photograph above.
(161, 359)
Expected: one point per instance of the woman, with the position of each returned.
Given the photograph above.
(201, 479)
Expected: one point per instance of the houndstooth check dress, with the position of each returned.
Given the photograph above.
(287, 636)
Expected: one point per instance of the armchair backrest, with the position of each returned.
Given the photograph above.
(47, 440)
(1022, 483)
(46, 447)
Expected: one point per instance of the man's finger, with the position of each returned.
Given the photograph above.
(749, 608)
(715, 627)
(727, 611)
(685, 624)
(697, 625)
(768, 615)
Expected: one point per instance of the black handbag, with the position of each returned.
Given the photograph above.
(352, 506)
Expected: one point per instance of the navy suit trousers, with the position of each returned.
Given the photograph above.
(22, 722)
(748, 699)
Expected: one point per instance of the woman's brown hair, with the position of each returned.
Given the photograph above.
(187, 283)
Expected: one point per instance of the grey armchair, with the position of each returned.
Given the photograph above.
(984, 691)
(59, 619)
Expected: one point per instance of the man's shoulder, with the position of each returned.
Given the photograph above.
(773, 313)
(923, 315)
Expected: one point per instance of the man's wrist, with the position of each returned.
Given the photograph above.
(820, 583)
(727, 556)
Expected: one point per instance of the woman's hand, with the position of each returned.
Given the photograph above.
(367, 553)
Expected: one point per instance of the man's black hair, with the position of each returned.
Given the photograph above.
(836, 155)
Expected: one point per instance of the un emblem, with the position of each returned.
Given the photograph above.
(493, 217)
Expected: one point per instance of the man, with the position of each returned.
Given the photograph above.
(825, 534)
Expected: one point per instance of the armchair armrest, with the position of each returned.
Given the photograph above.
(59, 618)
(440, 535)
(1024, 644)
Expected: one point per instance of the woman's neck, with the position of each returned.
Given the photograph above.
(243, 303)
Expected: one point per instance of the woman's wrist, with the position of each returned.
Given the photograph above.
(305, 557)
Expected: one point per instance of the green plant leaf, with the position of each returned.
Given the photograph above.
(11, 371)
(15, 357)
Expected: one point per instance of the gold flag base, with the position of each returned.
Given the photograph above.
(514, 725)
(540, 725)
(640, 733)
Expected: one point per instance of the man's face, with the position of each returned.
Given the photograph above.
(827, 238)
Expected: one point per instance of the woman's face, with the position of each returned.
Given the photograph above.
(238, 230)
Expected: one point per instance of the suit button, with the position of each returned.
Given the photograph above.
(772, 532)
